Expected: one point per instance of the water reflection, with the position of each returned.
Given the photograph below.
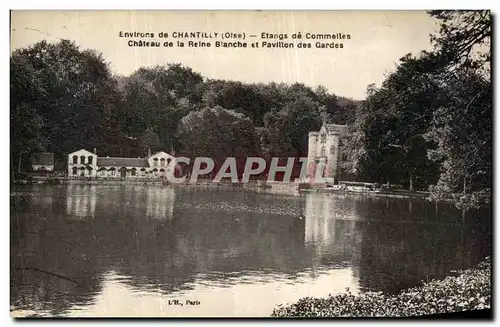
(81, 200)
(104, 250)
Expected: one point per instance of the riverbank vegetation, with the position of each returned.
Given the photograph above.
(469, 290)
(428, 126)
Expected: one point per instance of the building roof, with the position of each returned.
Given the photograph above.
(43, 158)
(122, 162)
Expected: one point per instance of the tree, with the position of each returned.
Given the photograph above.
(217, 133)
(26, 128)
(463, 132)
(464, 39)
(71, 90)
(462, 128)
(387, 136)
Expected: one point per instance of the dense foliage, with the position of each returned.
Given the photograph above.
(470, 290)
(429, 125)
(64, 98)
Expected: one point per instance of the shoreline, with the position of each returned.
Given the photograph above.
(273, 187)
(440, 296)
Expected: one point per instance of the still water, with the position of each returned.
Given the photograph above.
(87, 250)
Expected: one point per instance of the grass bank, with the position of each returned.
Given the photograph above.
(467, 290)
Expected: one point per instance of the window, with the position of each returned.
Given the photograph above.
(82, 160)
(75, 171)
(162, 162)
(332, 150)
(133, 171)
(155, 162)
(323, 138)
(323, 151)
(75, 160)
(90, 158)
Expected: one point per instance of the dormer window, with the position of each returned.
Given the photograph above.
(323, 138)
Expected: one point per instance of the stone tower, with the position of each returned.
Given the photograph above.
(325, 145)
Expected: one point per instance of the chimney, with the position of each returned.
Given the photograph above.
(95, 151)
(149, 153)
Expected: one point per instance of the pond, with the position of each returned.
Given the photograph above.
(124, 250)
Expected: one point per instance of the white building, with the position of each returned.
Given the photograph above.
(327, 145)
(83, 163)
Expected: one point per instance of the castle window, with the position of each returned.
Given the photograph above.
(75, 160)
(332, 150)
(323, 138)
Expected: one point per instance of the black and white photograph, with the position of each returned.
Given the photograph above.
(250, 164)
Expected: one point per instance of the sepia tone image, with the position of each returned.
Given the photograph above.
(250, 164)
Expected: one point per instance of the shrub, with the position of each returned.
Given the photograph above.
(469, 290)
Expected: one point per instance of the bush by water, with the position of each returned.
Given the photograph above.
(469, 290)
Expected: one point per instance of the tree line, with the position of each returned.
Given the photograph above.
(428, 126)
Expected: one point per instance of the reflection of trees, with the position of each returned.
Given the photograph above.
(50, 268)
(399, 251)
(58, 261)
(201, 240)
(125, 232)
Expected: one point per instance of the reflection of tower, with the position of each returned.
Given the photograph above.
(160, 202)
(319, 220)
(329, 227)
(81, 200)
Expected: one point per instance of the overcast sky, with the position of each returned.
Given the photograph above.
(378, 40)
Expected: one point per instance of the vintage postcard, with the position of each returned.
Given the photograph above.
(250, 163)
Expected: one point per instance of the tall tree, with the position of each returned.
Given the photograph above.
(26, 128)
(464, 39)
(70, 89)
(217, 133)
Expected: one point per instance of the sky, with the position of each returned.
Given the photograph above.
(377, 40)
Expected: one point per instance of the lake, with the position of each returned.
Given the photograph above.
(125, 250)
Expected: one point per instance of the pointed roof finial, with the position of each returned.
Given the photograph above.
(323, 114)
